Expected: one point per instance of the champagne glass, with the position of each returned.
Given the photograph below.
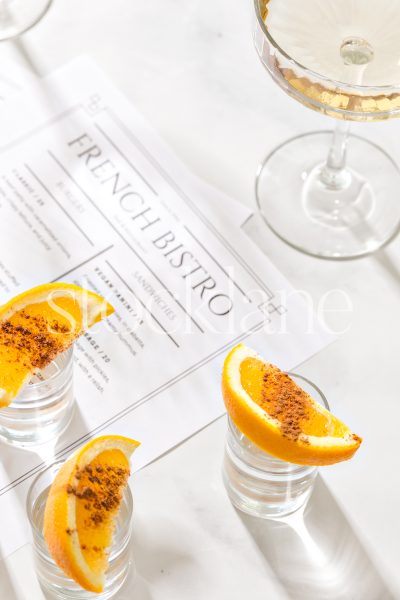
(17, 16)
(332, 195)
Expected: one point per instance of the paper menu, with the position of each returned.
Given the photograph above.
(213, 200)
(13, 79)
(89, 195)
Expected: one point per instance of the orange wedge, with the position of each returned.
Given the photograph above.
(270, 409)
(38, 325)
(82, 505)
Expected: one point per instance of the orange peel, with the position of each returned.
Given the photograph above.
(82, 505)
(38, 325)
(278, 416)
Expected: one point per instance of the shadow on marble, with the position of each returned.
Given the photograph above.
(36, 458)
(7, 591)
(80, 428)
(387, 263)
(26, 54)
(135, 589)
(268, 242)
(317, 555)
(30, 461)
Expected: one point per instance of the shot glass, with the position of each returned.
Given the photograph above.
(54, 583)
(43, 408)
(260, 484)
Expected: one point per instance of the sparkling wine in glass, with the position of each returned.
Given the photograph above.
(337, 195)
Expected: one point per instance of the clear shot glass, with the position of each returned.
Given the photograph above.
(54, 583)
(260, 484)
(43, 408)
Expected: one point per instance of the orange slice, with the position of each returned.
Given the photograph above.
(82, 505)
(270, 409)
(38, 325)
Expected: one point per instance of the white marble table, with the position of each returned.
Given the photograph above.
(191, 69)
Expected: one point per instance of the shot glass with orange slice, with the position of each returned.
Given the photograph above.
(37, 331)
(80, 512)
(280, 430)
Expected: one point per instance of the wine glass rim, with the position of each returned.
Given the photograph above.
(337, 83)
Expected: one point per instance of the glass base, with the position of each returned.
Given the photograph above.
(57, 591)
(281, 492)
(36, 434)
(43, 409)
(349, 221)
(17, 16)
(260, 484)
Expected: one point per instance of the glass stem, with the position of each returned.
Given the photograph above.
(334, 174)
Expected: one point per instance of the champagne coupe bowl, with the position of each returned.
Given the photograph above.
(330, 194)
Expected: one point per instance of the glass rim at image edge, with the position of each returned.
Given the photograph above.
(37, 19)
(341, 84)
(260, 168)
